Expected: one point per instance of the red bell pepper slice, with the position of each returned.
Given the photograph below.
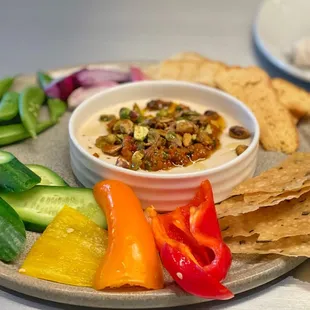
(192, 277)
(191, 247)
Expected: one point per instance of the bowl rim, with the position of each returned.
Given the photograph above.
(150, 175)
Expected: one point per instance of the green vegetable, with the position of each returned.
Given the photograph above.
(48, 177)
(43, 79)
(30, 102)
(13, 133)
(56, 108)
(38, 206)
(9, 106)
(12, 233)
(15, 176)
(5, 85)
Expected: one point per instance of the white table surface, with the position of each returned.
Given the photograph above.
(53, 33)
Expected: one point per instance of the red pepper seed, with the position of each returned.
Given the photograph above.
(179, 275)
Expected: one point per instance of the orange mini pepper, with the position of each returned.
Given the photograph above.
(131, 257)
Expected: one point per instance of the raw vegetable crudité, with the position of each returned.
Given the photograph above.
(71, 243)
(48, 177)
(191, 247)
(131, 257)
(38, 206)
(9, 106)
(5, 85)
(30, 102)
(12, 233)
(20, 113)
(56, 108)
(43, 79)
(17, 132)
(188, 240)
(15, 176)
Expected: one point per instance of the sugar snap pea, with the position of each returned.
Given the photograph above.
(43, 79)
(13, 133)
(5, 85)
(30, 101)
(9, 106)
(56, 108)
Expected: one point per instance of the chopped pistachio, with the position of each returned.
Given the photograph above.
(108, 139)
(162, 113)
(124, 126)
(174, 138)
(106, 117)
(137, 109)
(187, 139)
(110, 149)
(136, 160)
(183, 126)
(209, 129)
(153, 136)
(122, 162)
(124, 113)
(140, 132)
(240, 149)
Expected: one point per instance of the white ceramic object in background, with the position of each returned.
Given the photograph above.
(278, 26)
(165, 191)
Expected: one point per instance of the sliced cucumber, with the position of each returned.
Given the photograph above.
(12, 233)
(48, 177)
(38, 206)
(15, 176)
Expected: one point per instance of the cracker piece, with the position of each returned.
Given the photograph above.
(291, 246)
(296, 99)
(253, 86)
(289, 218)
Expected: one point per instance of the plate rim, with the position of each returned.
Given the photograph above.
(285, 67)
(168, 297)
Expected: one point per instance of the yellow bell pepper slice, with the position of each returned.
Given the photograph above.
(69, 251)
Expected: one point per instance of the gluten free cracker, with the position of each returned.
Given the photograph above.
(253, 86)
(289, 218)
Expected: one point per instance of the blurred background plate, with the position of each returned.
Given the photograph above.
(278, 25)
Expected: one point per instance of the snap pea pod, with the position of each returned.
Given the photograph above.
(9, 106)
(30, 102)
(56, 108)
(43, 79)
(5, 85)
(13, 133)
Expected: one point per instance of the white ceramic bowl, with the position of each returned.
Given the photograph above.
(165, 191)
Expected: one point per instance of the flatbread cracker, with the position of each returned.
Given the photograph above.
(296, 99)
(235, 206)
(187, 56)
(291, 246)
(253, 86)
(289, 218)
(188, 66)
(290, 175)
(262, 197)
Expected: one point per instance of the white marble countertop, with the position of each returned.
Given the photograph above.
(49, 34)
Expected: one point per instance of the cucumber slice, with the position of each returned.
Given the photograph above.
(38, 206)
(48, 177)
(12, 233)
(15, 176)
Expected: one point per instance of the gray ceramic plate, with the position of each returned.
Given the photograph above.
(51, 149)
